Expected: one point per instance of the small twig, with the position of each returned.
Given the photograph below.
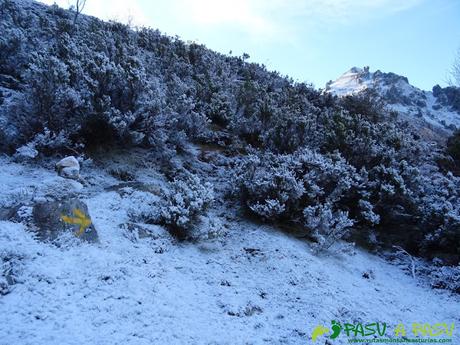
(412, 260)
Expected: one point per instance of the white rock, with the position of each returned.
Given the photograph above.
(68, 167)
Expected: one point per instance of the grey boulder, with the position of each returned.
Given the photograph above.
(52, 218)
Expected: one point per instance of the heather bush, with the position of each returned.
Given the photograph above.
(312, 190)
(445, 277)
(184, 201)
(327, 226)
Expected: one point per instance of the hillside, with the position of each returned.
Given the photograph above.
(245, 283)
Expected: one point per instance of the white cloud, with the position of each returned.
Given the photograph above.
(256, 18)
(269, 18)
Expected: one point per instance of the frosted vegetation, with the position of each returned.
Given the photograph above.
(334, 168)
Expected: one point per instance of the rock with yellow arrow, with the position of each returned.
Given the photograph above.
(52, 218)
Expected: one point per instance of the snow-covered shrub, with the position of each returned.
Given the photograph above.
(210, 227)
(453, 147)
(10, 263)
(142, 206)
(27, 151)
(17, 196)
(393, 187)
(367, 212)
(306, 188)
(274, 115)
(364, 143)
(52, 100)
(219, 108)
(294, 181)
(367, 103)
(419, 209)
(446, 277)
(268, 187)
(442, 241)
(327, 226)
(184, 201)
(48, 143)
(287, 132)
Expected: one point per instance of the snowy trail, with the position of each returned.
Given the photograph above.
(254, 285)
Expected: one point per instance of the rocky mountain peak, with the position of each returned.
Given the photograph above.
(438, 109)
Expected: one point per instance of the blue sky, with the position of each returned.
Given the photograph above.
(310, 40)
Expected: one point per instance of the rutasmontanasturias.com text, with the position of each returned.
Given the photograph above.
(380, 332)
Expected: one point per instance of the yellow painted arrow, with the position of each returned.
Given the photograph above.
(79, 219)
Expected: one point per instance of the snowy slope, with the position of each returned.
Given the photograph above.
(428, 107)
(253, 284)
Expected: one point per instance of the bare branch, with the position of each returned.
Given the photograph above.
(412, 260)
(79, 7)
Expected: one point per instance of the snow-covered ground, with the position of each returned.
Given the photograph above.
(252, 284)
